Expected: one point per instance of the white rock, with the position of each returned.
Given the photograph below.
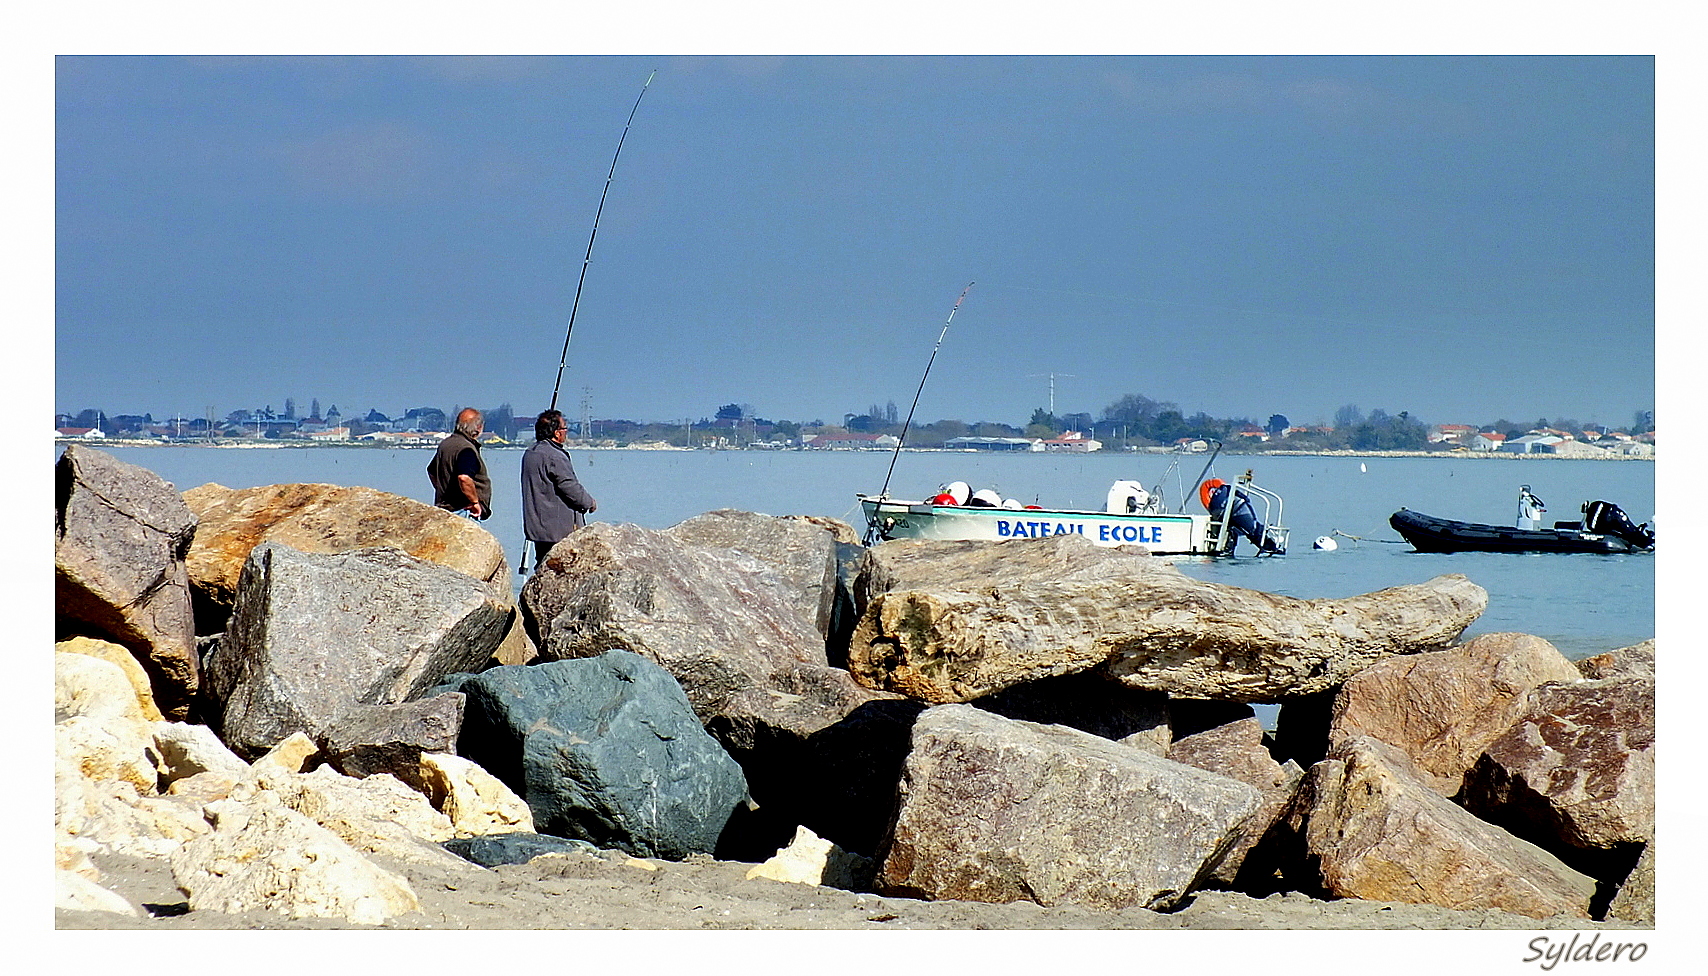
(291, 755)
(92, 688)
(475, 801)
(120, 655)
(73, 892)
(189, 750)
(374, 814)
(263, 856)
(109, 748)
(110, 815)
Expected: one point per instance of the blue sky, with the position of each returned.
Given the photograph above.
(1465, 238)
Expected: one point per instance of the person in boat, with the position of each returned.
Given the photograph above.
(1215, 493)
(554, 503)
(458, 472)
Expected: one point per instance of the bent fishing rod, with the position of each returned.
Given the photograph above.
(588, 259)
(909, 422)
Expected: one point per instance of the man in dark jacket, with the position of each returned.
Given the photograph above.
(553, 501)
(457, 471)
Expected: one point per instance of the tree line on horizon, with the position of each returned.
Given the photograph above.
(1134, 420)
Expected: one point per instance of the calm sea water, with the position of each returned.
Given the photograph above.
(1583, 604)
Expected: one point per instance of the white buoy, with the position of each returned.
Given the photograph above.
(1362, 469)
(1325, 543)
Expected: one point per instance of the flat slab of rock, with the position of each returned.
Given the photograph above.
(121, 536)
(997, 810)
(960, 623)
(1442, 708)
(314, 635)
(1379, 832)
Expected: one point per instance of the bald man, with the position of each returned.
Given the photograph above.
(458, 472)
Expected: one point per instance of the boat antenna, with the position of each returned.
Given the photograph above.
(909, 422)
(589, 258)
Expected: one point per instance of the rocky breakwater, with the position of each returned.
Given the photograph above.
(1036, 721)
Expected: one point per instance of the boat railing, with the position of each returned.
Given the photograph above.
(1274, 529)
(1219, 541)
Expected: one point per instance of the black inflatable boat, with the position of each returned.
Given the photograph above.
(1604, 529)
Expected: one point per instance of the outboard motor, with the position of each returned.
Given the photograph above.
(1530, 508)
(1609, 519)
(1128, 498)
(1243, 520)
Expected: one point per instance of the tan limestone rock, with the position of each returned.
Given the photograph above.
(120, 655)
(475, 801)
(1379, 832)
(1444, 707)
(264, 856)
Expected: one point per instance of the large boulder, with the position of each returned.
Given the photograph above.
(998, 810)
(971, 622)
(1375, 829)
(1444, 707)
(121, 536)
(739, 637)
(313, 636)
(604, 749)
(1576, 773)
(801, 551)
(327, 519)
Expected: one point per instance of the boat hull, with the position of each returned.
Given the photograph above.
(1426, 533)
(1182, 534)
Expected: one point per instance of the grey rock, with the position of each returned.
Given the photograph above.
(121, 535)
(603, 749)
(315, 635)
(996, 810)
(491, 850)
(802, 552)
(735, 634)
(371, 739)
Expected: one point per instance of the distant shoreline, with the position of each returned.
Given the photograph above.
(278, 446)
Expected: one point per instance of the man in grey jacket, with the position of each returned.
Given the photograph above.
(553, 501)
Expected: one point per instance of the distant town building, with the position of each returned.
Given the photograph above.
(1074, 442)
(853, 442)
(993, 444)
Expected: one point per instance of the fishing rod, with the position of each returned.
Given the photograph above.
(589, 258)
(909, 422)
(522, 564)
